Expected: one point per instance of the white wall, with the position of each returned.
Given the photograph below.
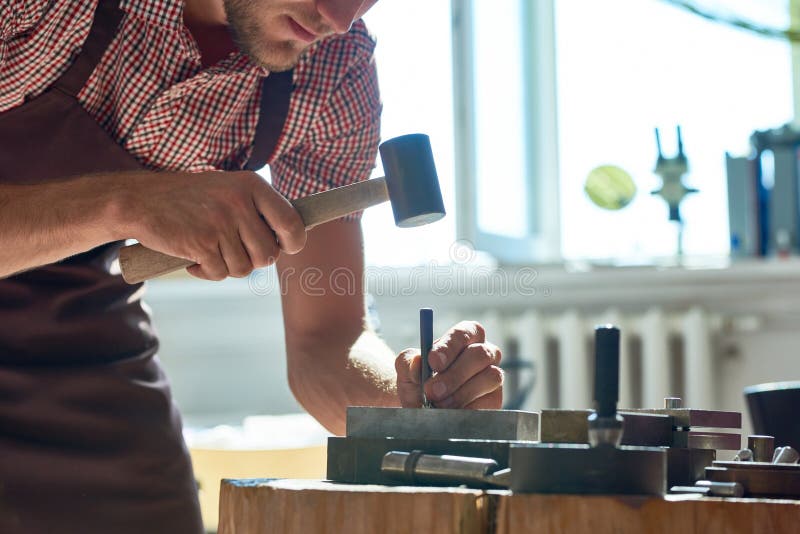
(222, 343)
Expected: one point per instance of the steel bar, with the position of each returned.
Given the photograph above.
(359, 460)
(419, 423)
(434, 469)
(707, 440)
(760, 479)
(690, 417)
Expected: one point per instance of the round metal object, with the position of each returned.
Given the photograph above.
(606, 373)
(785, 455)
(763, 447)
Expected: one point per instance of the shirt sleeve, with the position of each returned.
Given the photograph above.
(341, 147)
(19, 16)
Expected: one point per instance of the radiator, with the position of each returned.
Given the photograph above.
(662, 353)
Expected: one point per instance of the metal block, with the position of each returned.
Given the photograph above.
(358, 460)
(687, 466)
(760, 479)
(572, 426)
(697, 439)
(689, 417)
(436, 423)
(581, 469)
(642, 428)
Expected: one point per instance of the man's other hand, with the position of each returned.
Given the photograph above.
(228, 223)
(466, 367)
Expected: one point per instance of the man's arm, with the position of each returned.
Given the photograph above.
(41, 224)
(226, 222)
(335, 362)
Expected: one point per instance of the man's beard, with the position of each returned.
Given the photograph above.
(244, 23)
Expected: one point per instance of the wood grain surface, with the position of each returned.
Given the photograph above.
(306, 506)
(578, 514)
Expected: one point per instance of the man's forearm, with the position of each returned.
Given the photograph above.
(44, 223)
(327, 376)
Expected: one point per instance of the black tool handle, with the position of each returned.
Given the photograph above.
(425, 344)
(606, 370)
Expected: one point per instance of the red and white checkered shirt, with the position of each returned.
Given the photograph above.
(153, 96)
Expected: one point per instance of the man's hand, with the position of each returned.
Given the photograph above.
(467, 371)
(228, 223)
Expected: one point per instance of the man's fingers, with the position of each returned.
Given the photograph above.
(281, 216)
(259, 241)
(408, 365)
(485, 382)
(472, 360)
(446, 349)
(491, 401)
(236, 258)
(210, 266)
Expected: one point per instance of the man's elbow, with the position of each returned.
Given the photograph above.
(312, 364)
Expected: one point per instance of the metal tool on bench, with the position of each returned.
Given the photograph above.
(603, 466)
(671, 426)
(417, 468)
(444, 446)
(761, 469)
(692, 436)
(373, 432)
(711, 489)
(411, 184)
(485, 435)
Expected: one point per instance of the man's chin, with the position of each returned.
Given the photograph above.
(278, 58)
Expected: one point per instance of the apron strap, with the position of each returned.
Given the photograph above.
(104, 27)
(276, 92)
(276, 89)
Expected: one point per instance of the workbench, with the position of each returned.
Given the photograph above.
(256, 506)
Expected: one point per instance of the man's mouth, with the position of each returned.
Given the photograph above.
(301, 32)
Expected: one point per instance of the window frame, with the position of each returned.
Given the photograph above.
(542, 240)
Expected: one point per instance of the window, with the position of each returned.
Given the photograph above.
(545, 91)
(628, 66)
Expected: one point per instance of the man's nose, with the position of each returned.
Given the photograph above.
(339, 14)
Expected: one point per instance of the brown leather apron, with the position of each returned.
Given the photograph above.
(90, 440)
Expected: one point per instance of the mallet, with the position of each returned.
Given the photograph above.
(411, 184)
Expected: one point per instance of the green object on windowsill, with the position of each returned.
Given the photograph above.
(610, 187)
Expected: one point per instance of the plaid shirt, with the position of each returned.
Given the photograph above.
(153, 96)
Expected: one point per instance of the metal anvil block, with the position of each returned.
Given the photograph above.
(581, 469)
(372, 432)
(429, 423)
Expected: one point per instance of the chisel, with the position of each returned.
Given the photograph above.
(425, 344)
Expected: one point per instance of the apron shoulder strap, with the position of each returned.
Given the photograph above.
(107, 16)
(276, 89)
(276, 92)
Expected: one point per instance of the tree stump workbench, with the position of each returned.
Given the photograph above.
(257, 506)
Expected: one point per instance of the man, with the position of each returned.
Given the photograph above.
(115, 122)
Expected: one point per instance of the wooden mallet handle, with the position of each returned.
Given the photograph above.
(139, 263)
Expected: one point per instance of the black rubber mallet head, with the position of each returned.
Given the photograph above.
(412, 181)
(411, 185)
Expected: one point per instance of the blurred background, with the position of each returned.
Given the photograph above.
(564, 210)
